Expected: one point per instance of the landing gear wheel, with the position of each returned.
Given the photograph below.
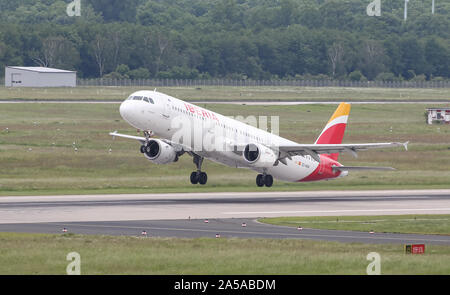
(202, 178)
(194, 178)
(260, 180)
(142, 148)
(198, 176)
(268, 180)
(264, 180)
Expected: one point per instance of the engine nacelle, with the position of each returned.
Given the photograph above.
(259, 155)
(159, 152)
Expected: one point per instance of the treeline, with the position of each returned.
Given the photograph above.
(237, 39)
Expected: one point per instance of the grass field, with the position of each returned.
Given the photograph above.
(412, 224)
(37, 150)
(228, 93)
(37, 156)
(46, 254)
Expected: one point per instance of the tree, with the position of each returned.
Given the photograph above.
(437, 56)
(116, 10)
(229, 38)
(115, 42)
(373, 58)
(99, 49)
(163, 42)
(226, 12)
(139, 73)
(51, 46)
(56, 51)
(412, 56)
(356, 76)
(287, 12)
(336, 55)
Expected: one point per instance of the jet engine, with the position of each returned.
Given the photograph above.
(159, 152)
(259, 155)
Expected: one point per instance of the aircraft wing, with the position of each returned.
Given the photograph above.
(139, 138)
(142, 140)
(314, 150)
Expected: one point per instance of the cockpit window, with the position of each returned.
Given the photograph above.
(130, 97)
(144, 98)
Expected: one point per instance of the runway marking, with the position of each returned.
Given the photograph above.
(298, 235)
(336, 211)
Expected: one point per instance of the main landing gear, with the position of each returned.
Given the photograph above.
(264, 179)
(198, 176)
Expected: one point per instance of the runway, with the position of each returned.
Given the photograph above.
(183, 215)
(34, 209)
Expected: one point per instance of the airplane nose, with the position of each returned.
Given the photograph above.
(124, 110)
(131, 114)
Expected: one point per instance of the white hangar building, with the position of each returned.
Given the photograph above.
(39, 77)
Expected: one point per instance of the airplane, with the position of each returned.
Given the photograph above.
(237, 144)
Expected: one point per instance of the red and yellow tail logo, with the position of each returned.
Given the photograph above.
(333, 133)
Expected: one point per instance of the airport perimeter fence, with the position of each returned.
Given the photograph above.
(256, 83)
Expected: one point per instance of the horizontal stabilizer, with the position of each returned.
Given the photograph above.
(355, 168)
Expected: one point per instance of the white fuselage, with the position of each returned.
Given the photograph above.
(186, 124)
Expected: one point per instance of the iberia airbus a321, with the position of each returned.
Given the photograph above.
(176, 123)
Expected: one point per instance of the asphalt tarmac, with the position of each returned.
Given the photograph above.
(184, 215)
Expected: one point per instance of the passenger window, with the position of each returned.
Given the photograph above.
(146, 99)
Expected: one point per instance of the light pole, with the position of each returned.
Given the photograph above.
(406, 9)
(432, 7)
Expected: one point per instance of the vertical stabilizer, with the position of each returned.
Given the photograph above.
(333, 133)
